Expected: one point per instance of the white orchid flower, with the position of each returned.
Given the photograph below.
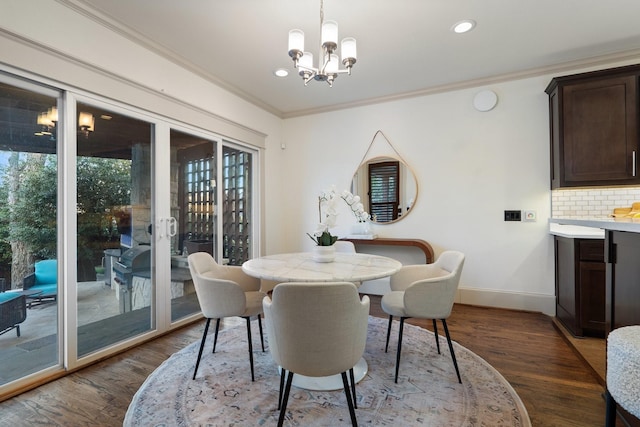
(320, 228)
(331, 221)
(328, 211)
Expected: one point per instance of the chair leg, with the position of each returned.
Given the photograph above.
(399, 347)
(261, 336)
(386, 347)
(610, 418)
(283, 409)
(250, 345)
(282, 375)
(215, 337)
(353, 387)
(435, 333)
(204, 338)
(352, 412)
(453, 355)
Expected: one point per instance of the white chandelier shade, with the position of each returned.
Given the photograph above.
(329, 66)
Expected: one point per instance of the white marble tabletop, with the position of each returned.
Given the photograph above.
(300, 267)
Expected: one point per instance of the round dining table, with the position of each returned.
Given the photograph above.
(300, 267)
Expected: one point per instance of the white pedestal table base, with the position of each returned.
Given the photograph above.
(332, 382)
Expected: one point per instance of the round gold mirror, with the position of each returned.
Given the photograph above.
(387, 188)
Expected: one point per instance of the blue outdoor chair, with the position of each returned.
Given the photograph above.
(43, 279)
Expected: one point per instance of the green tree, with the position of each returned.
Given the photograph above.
(103, 185)
(30, 212)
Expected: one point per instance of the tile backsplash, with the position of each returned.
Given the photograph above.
(587, 203)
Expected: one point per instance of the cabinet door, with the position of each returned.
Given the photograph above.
(600, 132)
(566, 289)
(592, 301)
(622, 283)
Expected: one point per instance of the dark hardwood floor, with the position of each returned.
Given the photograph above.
(557, 387)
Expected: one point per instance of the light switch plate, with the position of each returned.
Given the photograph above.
(530, 216)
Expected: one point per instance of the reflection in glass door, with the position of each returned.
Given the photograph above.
(193, 208)
(238, 201)
(115, 289)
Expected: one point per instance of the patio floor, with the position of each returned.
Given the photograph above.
(100, 323)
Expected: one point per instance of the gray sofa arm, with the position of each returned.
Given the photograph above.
(28, 281)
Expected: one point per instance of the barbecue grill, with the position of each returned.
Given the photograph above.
(133, 262)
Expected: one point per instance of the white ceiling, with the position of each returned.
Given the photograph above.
(405, 47)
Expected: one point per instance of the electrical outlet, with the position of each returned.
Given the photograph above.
(513, 215)
(530, 216)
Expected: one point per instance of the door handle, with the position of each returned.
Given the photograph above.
(172, 227)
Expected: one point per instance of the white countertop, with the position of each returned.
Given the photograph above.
(576, 231)
(601, 224)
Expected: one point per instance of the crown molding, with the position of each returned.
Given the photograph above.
(136, 37)
(604, 60)
(102, 18)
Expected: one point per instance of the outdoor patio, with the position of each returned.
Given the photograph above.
(100, 323)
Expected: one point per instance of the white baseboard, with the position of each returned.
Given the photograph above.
(513, 300)
(482, 297)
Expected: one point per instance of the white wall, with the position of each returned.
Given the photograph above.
(470, 167)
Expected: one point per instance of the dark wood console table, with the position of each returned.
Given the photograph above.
(384, 241)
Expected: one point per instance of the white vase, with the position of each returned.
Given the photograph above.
(324, 253)
(361, 228)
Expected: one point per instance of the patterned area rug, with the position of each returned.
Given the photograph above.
(427, 392)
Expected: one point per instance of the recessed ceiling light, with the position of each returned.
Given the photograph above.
(463, 26)
(281, 72)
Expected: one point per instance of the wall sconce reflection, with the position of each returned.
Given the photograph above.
(48, 121)
(86, 123)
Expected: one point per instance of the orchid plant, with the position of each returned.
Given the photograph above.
(328, 201)
(355, 205)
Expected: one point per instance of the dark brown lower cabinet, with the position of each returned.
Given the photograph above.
(623, 288)
(580, 285)
(623, 279)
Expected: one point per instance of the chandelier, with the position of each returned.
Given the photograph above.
(328, 66)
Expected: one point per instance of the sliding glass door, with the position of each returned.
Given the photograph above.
(237, 224)
(115, 284)
(193, 213)
(29, 287)
(203, 172)
(100, 204)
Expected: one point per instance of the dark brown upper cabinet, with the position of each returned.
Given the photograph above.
(593, 121)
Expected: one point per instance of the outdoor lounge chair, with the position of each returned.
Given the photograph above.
(43, 279)
(13, 311)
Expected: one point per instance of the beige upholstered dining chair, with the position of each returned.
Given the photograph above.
(316, 330)
(225, 291)
(345, 246)
(424, 291)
